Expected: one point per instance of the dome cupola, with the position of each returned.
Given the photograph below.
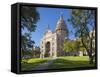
(48, 30)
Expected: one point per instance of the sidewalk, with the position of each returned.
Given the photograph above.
(44, 65)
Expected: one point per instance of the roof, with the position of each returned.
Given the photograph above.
(61, 24)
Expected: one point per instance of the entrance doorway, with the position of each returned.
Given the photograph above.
(47, 50)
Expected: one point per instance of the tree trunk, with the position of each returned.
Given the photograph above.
(91, 59)
(91, 52)
(90, 49)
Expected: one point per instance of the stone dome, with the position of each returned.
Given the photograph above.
(61, 24)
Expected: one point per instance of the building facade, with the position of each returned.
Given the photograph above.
(51, 45)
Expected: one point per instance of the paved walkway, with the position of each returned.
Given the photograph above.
(45, 65)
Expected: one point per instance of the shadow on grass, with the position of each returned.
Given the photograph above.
(60, 62)
(30, 65)
(63, 63)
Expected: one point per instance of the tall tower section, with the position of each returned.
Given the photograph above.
(61, 31)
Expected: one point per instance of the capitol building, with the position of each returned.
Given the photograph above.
(51, 45)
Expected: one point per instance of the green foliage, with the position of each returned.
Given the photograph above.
(68, 46)
(26, 40)
(82, 48)
(71, 45)
(84, 22)
(26, 44)
(29, 18)
(36, 52)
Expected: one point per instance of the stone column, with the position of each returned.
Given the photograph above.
(43, 49)
(55, 47)
(50, 49)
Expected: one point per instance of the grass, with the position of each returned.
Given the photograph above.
(71, 62)
(28, 64)
(61, 62)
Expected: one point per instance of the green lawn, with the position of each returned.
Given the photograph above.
(71, 62)
(61, 62)
(28, 64)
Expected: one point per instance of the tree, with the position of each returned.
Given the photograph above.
(72, 45)
(29, 18)
(37, 51)
(77, 45)
(83, 23)
(68, 46)
(26, 44)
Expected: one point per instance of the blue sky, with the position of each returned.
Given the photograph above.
(50, 16)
